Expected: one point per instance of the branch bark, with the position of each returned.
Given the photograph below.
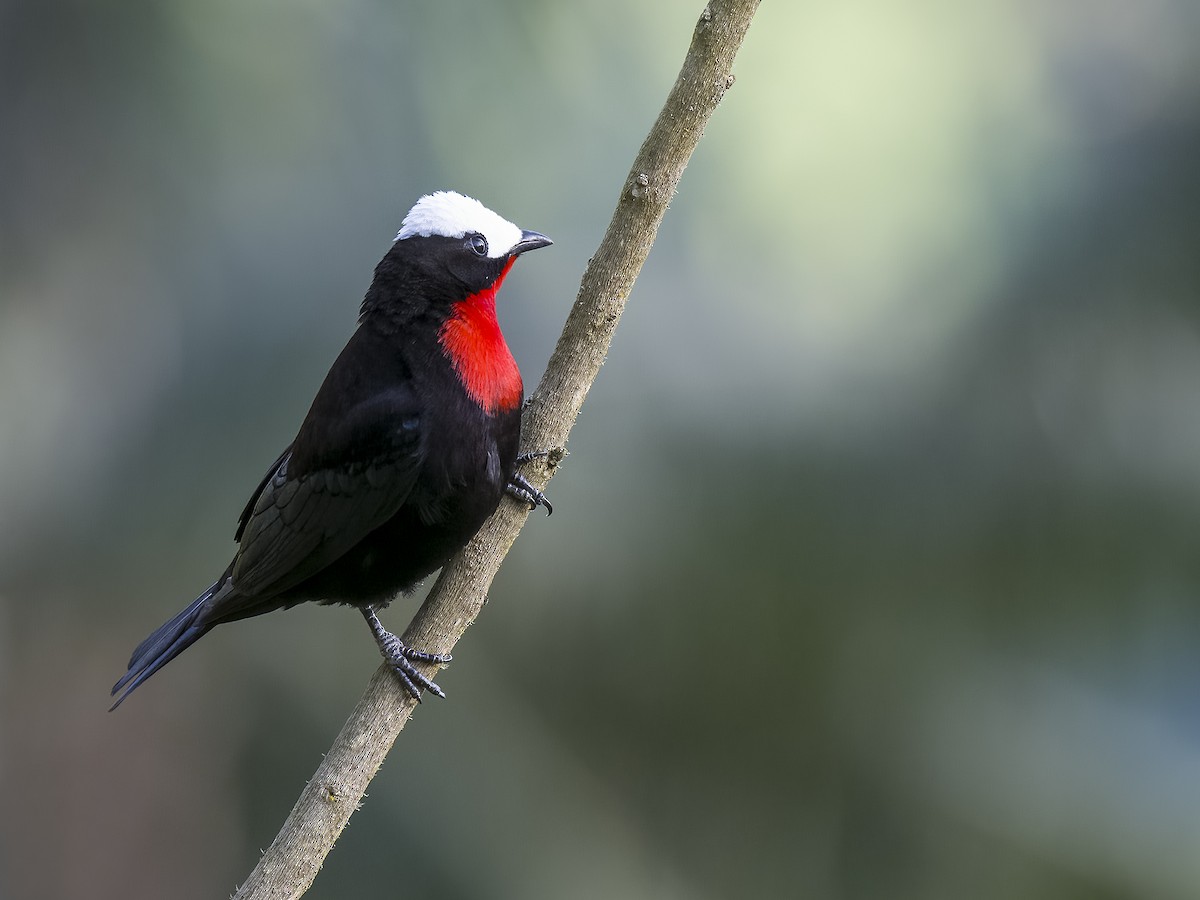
(289, 865)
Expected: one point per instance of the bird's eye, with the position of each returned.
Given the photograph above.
(478, 244)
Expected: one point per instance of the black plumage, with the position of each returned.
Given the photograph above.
(407, 448)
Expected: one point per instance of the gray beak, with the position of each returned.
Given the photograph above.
(530, 240)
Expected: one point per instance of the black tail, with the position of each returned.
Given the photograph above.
(167, 642)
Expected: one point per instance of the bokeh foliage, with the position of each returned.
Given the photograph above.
(873, 571)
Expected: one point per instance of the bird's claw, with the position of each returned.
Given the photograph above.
(524, 492)
(400, 658)
(554, 455)
(521, 489)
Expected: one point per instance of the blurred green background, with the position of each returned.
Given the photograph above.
(873, 570)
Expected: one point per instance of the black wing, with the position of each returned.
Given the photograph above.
(338, 482)
(246, 513)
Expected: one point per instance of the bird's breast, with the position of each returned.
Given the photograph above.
(471, 339)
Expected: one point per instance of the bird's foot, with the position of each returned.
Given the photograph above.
(400, 658)
(555, 456)
(524, 492)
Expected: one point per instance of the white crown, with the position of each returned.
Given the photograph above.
(448, 214)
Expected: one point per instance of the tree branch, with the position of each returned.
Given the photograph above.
(288, 867)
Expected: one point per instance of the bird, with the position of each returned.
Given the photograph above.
(411, 442)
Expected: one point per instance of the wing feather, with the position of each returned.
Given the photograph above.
(305, 517)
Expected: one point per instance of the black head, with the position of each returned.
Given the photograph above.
(449, 247)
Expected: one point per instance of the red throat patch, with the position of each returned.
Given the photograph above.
(473, 343)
